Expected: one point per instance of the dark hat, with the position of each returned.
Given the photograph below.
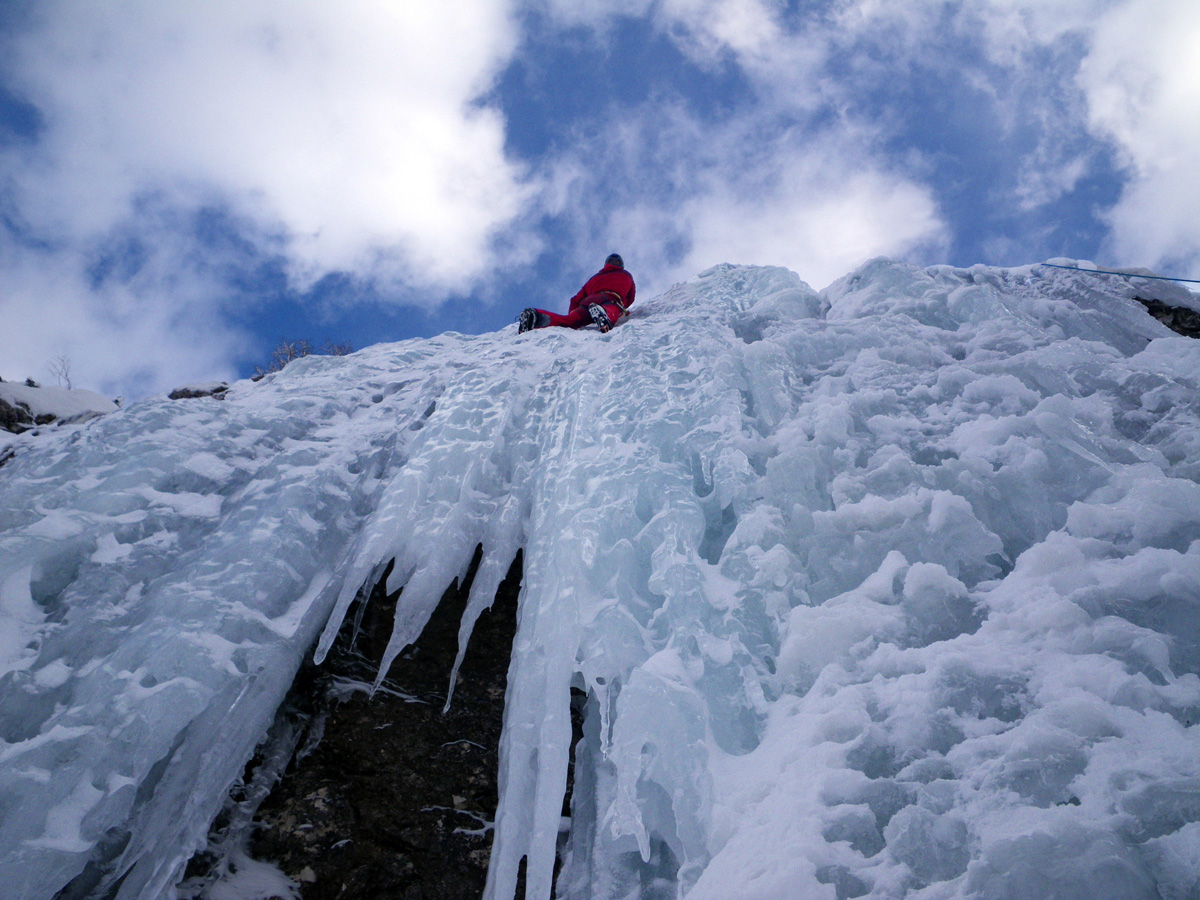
(614, 259)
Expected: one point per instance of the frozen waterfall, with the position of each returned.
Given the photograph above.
(891, 590)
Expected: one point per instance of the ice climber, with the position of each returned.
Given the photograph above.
(604, 300)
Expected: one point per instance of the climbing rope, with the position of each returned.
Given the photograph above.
(1122, 274)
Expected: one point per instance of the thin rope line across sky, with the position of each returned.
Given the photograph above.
(1122, 274)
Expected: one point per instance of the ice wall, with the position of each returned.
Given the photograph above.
(885, 591)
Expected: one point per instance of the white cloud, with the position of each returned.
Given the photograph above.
(1138, 88)
(770, 184)
(824, 217)
(676, 195)
(348, 129)
(856, 65)
(1064, 73)
(120, 338)
(1142, 79)
(339, 136)
(745, 28)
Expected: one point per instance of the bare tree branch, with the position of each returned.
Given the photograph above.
(285, 351)
(60, 368)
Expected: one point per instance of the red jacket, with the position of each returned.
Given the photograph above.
(613, 282)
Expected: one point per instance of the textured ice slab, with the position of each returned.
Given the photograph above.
(885, 591)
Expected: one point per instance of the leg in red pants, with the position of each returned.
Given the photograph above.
(580, 316)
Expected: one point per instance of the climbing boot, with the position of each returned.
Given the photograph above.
(600, 317)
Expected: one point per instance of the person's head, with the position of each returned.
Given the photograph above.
(614, 259)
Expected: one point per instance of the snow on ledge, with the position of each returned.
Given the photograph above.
(63, 404)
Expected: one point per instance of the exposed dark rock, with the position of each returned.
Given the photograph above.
(395, 800)
(15, 418)
(1179, 319)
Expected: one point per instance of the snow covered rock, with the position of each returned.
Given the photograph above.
(200, 389)
(22, 406)
(885, 591)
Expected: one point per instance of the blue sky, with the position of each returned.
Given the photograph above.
(181, 185)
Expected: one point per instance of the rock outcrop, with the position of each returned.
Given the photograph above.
(1179, 319)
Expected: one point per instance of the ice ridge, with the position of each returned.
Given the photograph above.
(886, 591)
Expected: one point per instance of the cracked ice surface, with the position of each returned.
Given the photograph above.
(885, 591)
